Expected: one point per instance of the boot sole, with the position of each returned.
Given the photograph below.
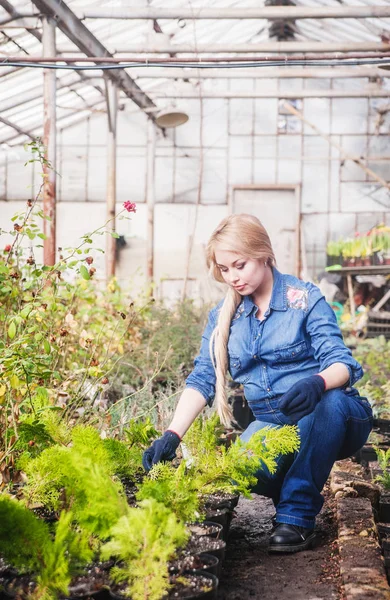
(306, 545)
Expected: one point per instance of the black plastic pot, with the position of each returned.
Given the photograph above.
(210, 528)
(366, 455)
(215, 501)
(383, 530)
(223, 517)
(204, 562)
(209, 595)
(382, 425)
(384, 509)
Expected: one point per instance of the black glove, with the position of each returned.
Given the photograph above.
(303, 397)
(162, 449)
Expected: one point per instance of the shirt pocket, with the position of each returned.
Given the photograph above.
(289, 357)
(235, 369)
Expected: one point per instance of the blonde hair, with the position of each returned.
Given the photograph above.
(245, 235)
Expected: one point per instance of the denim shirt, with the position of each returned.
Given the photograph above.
(297, 337)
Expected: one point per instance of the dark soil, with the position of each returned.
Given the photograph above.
(249, 572)
(194, 585)
(205, 529)
(198, 544)
(192, 562)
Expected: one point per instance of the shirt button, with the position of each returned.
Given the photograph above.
(255, 356)
(268, 389)
(264, 367)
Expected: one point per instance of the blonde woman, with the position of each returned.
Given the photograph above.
(278, 337)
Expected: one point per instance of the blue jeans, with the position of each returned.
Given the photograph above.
(336, 429)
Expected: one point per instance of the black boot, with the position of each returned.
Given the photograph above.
(290, 538)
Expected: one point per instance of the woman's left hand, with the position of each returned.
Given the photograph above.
(303, 397)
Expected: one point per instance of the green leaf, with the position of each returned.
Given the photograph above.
(12, 330)
(114, 234)
(46, 346)
(42, 236)
(84, 272)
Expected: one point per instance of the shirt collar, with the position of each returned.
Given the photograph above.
(278, 298)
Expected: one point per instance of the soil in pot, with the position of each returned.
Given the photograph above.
(91, 583)
(220, 500)
(223, 517)
(46, 515)
(209, 528)
(130, 489)
(206, 545)
(195, 562)
(193, 585)
(19, 586)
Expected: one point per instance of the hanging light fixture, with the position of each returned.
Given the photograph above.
(171, 116)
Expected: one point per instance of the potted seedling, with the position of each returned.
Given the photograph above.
(45, 562)
(143, 541)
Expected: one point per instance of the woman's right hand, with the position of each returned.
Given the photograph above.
(162, 449)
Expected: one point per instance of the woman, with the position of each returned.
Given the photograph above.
(279, 338)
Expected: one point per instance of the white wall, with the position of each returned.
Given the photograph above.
(245, 141)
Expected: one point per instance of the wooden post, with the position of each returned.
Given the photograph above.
(150, 204)
(112, 112)
(49, 142)
(351, 296)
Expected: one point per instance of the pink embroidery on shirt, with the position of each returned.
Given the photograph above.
(297, 298)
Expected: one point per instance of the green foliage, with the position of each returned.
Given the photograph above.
(233, 470)
(173, 488)
(374, 356)
(77, 478)
(384, 463)
(27, 544)
(21, 535)
(204, 434)
(140, 433)
(144, 540)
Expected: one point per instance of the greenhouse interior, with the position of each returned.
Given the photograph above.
(195, 299)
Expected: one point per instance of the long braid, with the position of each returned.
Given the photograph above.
(219, 354)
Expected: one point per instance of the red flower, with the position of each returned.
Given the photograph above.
(89, 260)
(130, 206)
(7, 248)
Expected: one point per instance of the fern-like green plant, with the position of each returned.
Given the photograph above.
(204, 434)
(234, 469)
(27, 544)
(144, 540)
(384, 463)
(173, 488)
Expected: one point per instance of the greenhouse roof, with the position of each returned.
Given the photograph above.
(81, 93)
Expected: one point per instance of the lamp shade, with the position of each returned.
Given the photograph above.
(171, 117)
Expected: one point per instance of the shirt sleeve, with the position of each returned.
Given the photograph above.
(326, 338)
(203, 378)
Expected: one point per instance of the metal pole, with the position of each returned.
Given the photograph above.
(270, 73)
(221, 13)
(364, 93)
(112, 112)
(49, 141)
(150, 204)
(282, 47)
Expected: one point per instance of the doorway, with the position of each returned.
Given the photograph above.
(278, 208)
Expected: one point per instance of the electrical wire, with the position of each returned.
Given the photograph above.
(201, 65)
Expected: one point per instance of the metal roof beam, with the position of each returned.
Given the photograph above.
(270, 73)
(18, 129)
(11, 10)
(266, 12)
(283, 47)
(84, 39)
(364, 93)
